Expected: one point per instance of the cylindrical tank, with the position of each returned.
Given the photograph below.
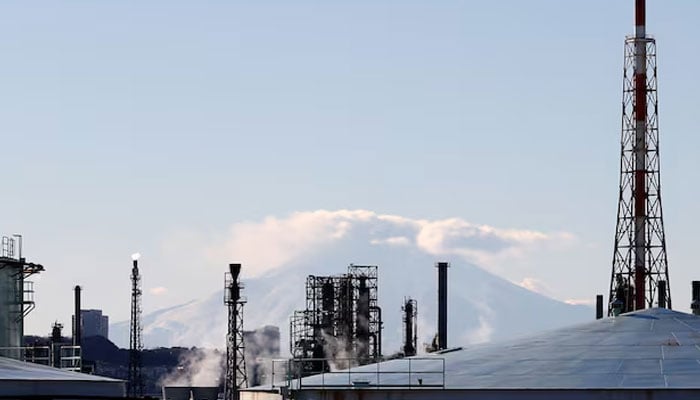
(11, 295)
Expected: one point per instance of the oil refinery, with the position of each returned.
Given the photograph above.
(635, 346)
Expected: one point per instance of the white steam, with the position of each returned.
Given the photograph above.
(198, 367)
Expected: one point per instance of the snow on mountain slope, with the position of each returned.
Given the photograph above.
(482, 306)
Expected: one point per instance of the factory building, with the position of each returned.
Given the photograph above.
(94, 323)
(20, 379)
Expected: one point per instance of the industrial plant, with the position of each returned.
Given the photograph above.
(342, 321)
(636, 347)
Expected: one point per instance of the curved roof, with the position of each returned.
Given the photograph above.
(19, 378)
(649, 349)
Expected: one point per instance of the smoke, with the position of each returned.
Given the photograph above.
(261, 347)
(339, 353)
(197, 367)
(484, 331)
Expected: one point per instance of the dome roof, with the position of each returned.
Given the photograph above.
(654, 348)
(19, 378)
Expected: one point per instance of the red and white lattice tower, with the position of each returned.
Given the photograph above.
(640, 267)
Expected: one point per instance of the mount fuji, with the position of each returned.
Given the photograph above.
(482, 306)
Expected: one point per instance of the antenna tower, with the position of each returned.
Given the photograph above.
(135, 381)
(236, 376)
(639, 259)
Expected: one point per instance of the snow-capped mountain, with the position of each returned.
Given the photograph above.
(482, 306)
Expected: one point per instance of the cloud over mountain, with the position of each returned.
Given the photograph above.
(278, 253)
(275, 242)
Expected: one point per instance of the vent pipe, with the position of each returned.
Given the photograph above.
(661, 286)
(695, 305)
(599, 306)
(442, 305)
(77, 320)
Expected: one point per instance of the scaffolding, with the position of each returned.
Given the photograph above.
(342, 321)
(640, 265)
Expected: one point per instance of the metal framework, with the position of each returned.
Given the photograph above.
(236, 375)
(135, 378)
(11, 257)
(640, 265)
(342, 320)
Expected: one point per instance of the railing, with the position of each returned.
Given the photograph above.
(64, 357)
(70, 358)
(34, 354)
(404, 373)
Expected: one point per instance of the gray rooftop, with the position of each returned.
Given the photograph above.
(19, 378)
(650, 349)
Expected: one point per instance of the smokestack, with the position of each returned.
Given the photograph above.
(640, 154)
(640, 18)
(235, 270)
(695, 305)
(662, 293)
(599, 306)
(77, 320)
(442, 305)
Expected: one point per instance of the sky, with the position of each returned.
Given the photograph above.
(162, 127)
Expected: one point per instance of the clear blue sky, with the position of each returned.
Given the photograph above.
(127, 122)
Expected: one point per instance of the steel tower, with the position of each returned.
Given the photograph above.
(639, 259)
(236, 376)
(135, 379)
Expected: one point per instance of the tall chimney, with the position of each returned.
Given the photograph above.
(599, 306)
(695, 305)
(77, 320)
(442, 305)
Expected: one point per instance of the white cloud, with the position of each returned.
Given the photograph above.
(275, 242)
(392, 241)
(157, 291)
(270, 244)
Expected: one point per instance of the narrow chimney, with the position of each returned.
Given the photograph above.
(77, 320)
(661, 287)
(599, 306)
(695, 305)
(442, 305)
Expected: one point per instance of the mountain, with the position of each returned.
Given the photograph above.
(482, 306)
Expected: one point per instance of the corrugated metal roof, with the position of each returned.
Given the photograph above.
(19, 378)
(655, 348)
